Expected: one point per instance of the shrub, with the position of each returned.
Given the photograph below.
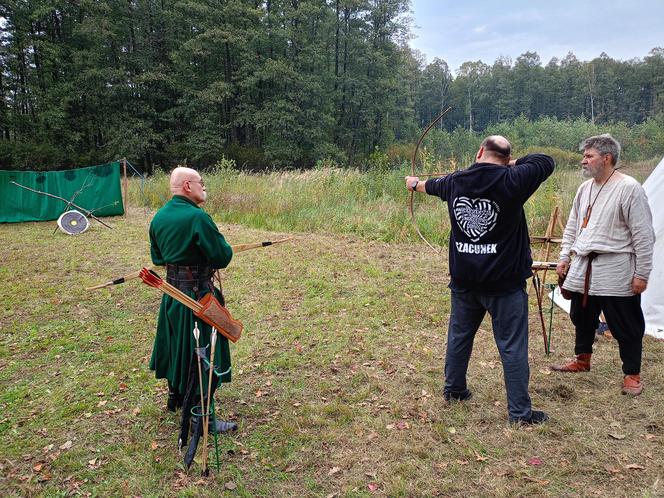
(563, 158)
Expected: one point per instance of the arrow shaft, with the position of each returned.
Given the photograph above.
(236, 248)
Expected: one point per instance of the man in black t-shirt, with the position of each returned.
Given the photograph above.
(490, 260)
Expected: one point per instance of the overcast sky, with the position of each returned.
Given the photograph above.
(469, 30)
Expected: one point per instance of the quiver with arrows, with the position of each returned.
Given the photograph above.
(208, 309)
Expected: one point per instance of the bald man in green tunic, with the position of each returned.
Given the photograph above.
(185, 239)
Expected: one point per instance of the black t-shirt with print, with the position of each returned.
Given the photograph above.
(489, 245)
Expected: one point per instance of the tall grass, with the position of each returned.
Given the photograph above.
(371, 204)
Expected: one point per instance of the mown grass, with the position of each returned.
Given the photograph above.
(337, 379)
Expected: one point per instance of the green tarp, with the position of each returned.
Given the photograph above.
(99, 187)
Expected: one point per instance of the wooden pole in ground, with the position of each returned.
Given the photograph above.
(200, 384)
(206, 420)
(549, 235)
(124, 174)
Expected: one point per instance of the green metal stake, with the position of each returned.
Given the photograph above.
(213, 413)
(551, 288)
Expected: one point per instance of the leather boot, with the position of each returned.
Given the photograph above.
(579, 364)
(222, 426)
(174, 399)
(196, 433)
(632, 385)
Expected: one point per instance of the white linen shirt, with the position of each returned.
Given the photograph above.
(619, 230)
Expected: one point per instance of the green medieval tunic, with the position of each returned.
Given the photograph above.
(181, 233)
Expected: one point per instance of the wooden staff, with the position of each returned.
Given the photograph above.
(549, 235)
(213, 341)
(236, 248)
(117, 281)
(197, 334)
(254, 245)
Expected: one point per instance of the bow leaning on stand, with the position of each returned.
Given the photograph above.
(411, 208)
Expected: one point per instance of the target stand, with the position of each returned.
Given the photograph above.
(73, 222)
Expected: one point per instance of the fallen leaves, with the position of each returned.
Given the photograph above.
(400, 425)
(535, 461)
(634, 466)
(66, 446)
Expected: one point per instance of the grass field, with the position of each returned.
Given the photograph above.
(337, 378)
(370, 205)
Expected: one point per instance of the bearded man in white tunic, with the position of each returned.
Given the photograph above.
(606, 259)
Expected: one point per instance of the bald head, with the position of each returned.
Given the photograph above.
(188, 183)
(495, 149)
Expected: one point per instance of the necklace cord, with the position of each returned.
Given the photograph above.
(589, 209)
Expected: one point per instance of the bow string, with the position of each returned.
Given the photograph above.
(411, 207)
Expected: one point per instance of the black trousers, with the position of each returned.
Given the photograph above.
(624, 318)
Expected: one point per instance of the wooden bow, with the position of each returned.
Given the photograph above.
(411, 208)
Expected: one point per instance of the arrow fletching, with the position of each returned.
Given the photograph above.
(197, 333)
(150, 278)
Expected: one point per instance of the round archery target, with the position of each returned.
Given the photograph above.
(73, 222)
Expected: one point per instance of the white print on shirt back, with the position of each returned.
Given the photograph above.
(476, 217)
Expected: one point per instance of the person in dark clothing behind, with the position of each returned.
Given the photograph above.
(489, 261)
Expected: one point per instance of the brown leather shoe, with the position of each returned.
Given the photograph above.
(579, 364)
(632, 385)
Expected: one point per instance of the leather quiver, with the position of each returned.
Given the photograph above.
(214, 314)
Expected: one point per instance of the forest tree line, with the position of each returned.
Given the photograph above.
(271, 83)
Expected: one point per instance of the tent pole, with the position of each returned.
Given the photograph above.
(124, 173)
